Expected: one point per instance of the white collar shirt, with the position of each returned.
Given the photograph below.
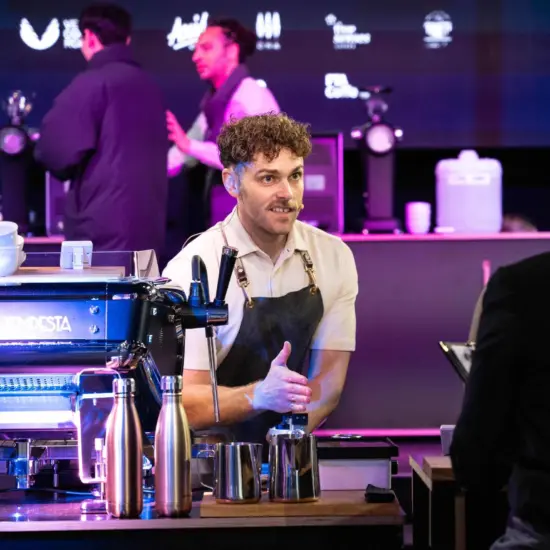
(335, 272)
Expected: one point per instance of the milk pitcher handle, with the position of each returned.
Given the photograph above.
(207, 453)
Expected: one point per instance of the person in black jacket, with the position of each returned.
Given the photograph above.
(503, 434)
(106, 133)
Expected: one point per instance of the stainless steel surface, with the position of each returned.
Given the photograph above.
(65, 331)
(171, 385)
(213, 379)
(99, 505)
(22, 465)
(237, 472)
(93, 507)
(173, 492)
(92, 410)
(124, 449)
(202, 456)
(294, 468)
(36, 401)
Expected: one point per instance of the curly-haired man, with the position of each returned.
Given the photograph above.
(294, 301)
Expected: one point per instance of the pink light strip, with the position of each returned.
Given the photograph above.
(357, 237)
(415, 432)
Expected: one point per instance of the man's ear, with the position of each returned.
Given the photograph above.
(230, 182)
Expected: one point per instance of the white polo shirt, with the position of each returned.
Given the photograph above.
(335, 272)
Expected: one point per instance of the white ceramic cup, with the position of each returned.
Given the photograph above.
(8, 233)
(10, 260)
(11, 257)
(418, 217)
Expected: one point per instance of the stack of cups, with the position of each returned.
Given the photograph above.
(11, 249)
(418, 217)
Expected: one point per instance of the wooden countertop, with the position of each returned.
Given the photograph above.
(66, 516)
(433, 469)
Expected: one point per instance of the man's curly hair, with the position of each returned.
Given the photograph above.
(240, 141)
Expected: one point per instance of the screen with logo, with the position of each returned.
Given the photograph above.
(458, 78)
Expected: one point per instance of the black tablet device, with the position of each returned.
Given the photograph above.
(459, 355)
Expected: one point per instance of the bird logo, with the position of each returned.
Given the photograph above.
(47, 40)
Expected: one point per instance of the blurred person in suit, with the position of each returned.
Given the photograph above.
(502, 436)
(106, 133)
(511, 223)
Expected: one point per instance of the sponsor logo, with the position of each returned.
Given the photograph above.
(185, 35)
(35, 323)
(437, 28)
(30, 37)
(346, 37)
(268, 30)
(72, 37)
(337, 86)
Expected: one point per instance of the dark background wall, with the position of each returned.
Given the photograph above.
(486, 88)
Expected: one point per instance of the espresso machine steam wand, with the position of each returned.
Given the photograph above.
(199, 297)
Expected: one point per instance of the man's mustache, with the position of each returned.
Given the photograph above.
(290, 205)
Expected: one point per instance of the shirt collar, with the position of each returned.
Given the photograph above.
(115, 53)
(238, 237)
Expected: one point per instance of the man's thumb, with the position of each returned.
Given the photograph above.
(283, 356)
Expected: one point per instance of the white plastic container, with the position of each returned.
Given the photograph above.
(469, 194)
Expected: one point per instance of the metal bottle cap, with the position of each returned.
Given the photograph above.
(171, 384)
(124, 386)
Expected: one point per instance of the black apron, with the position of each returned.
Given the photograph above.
(267, 323)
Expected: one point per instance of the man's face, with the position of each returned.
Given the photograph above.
(270, 194)
(213, 54)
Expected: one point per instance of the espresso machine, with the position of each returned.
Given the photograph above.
(65, 337)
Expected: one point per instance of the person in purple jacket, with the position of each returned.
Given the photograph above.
(106, 133)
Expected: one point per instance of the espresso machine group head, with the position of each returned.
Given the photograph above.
(63, 341)
(198, 311)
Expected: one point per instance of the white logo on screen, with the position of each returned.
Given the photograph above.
(185, 35)
(346, 37)
(438, 27)
(35, 323)
(72, 37)
(337, 86)
(32, 40)
(268, 30)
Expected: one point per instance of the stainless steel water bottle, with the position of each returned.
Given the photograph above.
(124, 450)
(173, 495)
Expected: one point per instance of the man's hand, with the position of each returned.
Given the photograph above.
(282, 390)
(176, 133)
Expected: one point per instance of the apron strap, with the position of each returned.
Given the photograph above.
(310, 270)
(242, 277)
(240, 273)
